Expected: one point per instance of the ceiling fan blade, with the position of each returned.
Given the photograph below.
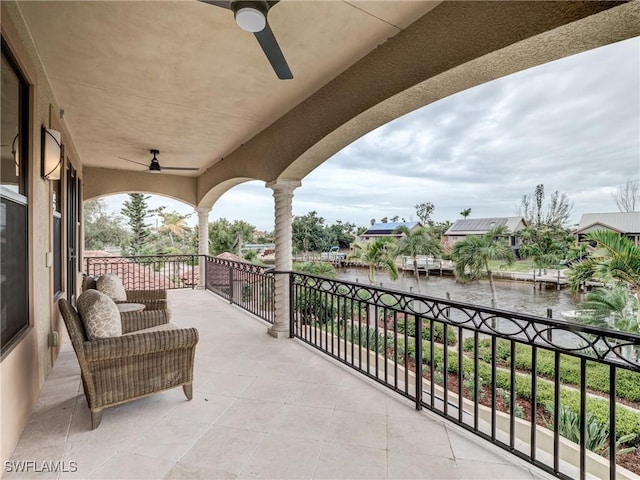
(271, 49)
(179, 168)
(219, 3)
(133, 161)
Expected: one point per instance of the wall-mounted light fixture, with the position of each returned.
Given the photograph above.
(52, 154)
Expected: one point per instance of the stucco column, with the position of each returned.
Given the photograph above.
(203, 242)
(283, 195)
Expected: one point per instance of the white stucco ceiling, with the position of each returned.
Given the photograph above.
(181, 77)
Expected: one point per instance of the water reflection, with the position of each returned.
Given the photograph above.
(512, 295)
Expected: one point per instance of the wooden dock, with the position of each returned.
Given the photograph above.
(426, 265)
(551, 278)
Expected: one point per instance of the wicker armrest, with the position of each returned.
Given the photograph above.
(133, 321)
(156, 304)
(140, 296)
(140, 344)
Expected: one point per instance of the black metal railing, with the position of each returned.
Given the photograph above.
(518, 381)
(524, 383)
(148, 272)
(247, 285)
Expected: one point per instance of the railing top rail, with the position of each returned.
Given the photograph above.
(592, 343)
(497, 312)
(112, 257)
(240, 265)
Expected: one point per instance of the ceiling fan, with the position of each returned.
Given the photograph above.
(154, 166)
(252, 17)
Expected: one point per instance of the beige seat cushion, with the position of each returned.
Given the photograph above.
(110, 284)
(157, 328)
(99, 315)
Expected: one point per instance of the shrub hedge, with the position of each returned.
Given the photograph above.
(627, 421)
(627, 382)
(438, 331)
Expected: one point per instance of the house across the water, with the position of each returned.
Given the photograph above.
(623, 223)
(389, 229)
(462, 228)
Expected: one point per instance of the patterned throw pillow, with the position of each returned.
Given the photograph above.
(99, 314)
(110, 284)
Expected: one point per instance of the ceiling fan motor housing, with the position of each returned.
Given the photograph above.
(154, 166)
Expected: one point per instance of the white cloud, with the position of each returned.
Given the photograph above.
(573, 125)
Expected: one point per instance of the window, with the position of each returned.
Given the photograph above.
(57, 239)
(14, 237)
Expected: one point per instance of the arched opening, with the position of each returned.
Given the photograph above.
(138, 224)
(570, 124)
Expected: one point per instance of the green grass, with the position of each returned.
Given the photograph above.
(520, 266)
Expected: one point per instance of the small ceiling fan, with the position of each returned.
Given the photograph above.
(252, 17)
(154, 166)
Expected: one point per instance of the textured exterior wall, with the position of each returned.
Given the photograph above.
(23, 369)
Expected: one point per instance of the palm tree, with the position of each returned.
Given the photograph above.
(416, 242)
(174, 224)
(465, 213)
(376, 254)
(612, 308)
(615, 259)
(609, 308)
(473, 254)
(322, 269)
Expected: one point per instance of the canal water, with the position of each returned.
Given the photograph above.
(514, 296)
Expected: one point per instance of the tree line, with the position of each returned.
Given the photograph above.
(546, 240)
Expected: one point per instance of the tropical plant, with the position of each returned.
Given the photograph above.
(379, 253)
(545, 244)
(465, 213)
(609, 308)
(174, 224)
(473, 254)
(321, 269)
(615, 259)
(569, 427)
(416, 242)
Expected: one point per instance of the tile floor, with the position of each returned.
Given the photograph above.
(262, 408)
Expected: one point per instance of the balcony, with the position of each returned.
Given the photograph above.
(262, 408)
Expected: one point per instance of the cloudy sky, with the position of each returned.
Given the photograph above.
(572, 125)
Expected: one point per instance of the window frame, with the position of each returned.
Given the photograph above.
(20, 198)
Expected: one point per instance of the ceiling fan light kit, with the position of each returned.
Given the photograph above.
(250, 16)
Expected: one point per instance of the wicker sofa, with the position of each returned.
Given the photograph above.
(153, 297)
(157, 309)
(120, 369)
